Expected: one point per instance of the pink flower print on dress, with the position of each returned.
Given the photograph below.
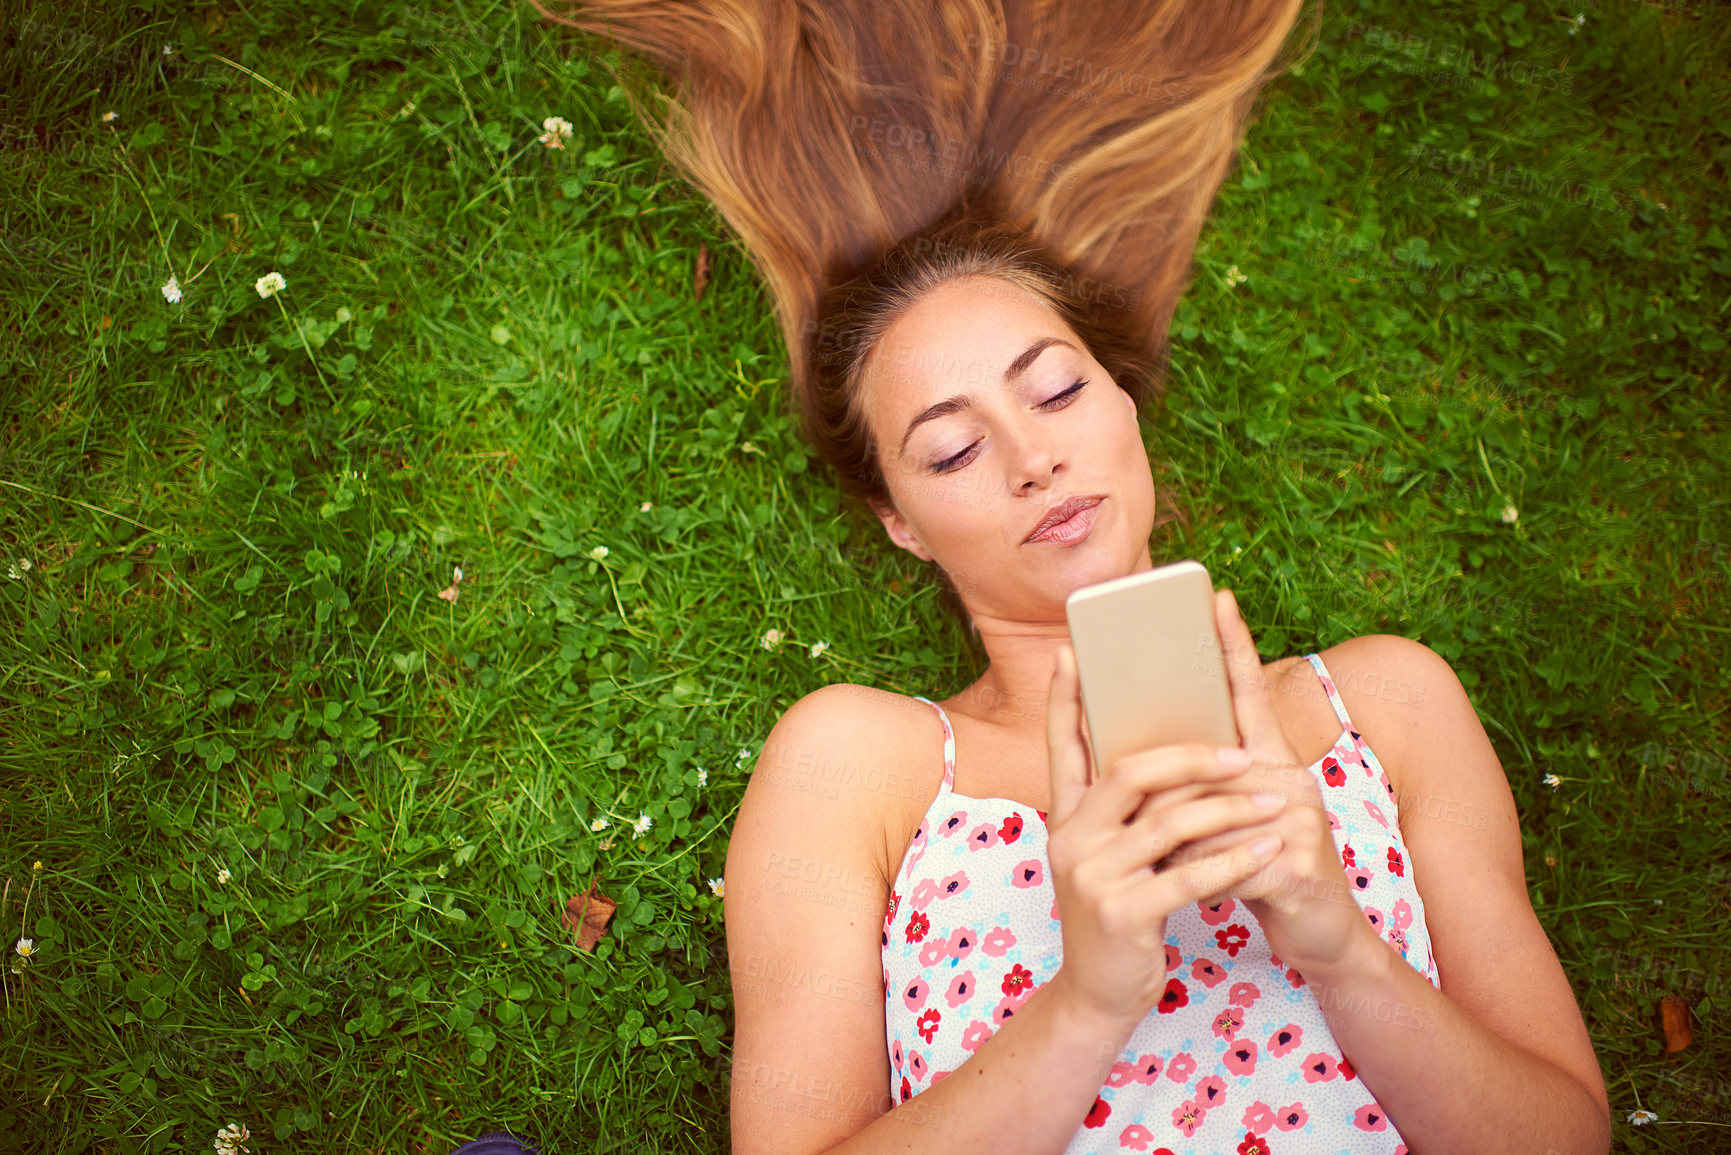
(1205, 971)
(1376, 812)
(1370, 1117)
(1181, 1067)
(1358, 878)
(914, 997)
(1401, 915)
(1228, 1023)
(1386, 784)
(1397, 939)
(917, 1066)
(1332, 773)
(1007, 1008)
(1136, 1137)
(976, 1035)
(1291, 1118)
(953, 823)
(896, 1054)
(953, 884)
(1218, 913)
(1333, 820)
(933, 951)
(913, 861)
(1120, 1074)
(1245, 995)
(999, 941)
(961, 989)
(1232, 939)
(1187, 1117)
(1029, 872)
(1282, 1041)
(1174, 958)
(1148, 1070)
(1259, 1116)
(927, 1023)
(962, 943)
(1210, 1092)
(923, 894)
(1375, 917)
(1319, 1068)
(1396, 863)
(1011, 829)
(983, 837)
(1240, 1058)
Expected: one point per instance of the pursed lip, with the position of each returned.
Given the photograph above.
(1063, 512)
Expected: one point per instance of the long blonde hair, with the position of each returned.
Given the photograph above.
(867, 152)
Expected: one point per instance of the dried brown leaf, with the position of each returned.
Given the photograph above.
(1674, 1017)
(586, 916)
(700, 279)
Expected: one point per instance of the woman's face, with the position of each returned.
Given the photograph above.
(980, 378)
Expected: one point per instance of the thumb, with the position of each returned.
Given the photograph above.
(1067, 755)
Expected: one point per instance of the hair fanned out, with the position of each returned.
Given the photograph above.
(827, 132)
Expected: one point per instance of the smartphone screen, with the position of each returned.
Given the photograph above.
(1152, 669)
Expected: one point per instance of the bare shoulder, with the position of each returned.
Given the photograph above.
(1458, 819)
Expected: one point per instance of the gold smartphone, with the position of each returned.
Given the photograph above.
(1152, 669)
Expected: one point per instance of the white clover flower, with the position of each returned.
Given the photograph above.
(643, 823)
(222, 876)
(110, 117)
(270, 284)
(25, 948)
(744, 753)
(1510, 514)
(646, 507)
(456, 574)
(718, 887)
(598, 552)
(702, 778)
(229, 1139)
(558, 132)
(1234, 277)
(1642, 1118)
(772, 639)
(819, 648)
(1575, 24)
(12, 572)
(169, 50)
(172, 291)
(600, 824)
(24, 564)
(1553, 781)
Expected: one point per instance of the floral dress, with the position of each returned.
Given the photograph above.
(1237, 1056)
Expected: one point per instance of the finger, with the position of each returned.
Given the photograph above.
(1160, 893)
(1171, 832)
(1128, 784)
(1065, 752)
(1251, 704)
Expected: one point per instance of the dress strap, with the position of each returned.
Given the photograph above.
(949, 742)
(1333, 694)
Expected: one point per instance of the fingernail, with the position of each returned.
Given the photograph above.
(1264, 798)
(1235, 757)
(1264, 847)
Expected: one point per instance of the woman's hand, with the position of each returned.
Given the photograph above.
(1301, 898)
(1104, 840)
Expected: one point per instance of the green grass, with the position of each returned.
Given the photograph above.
(228, 650)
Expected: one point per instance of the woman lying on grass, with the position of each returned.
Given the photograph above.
(966, 947)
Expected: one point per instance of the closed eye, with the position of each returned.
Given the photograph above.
(1050, 404)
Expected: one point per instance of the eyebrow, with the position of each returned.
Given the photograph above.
(963, 401)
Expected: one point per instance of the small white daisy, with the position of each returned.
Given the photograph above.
(646, 507)
(110, 117)
(598, 552)
(171, 291)
(25, 948)
(718, 887)
(1642, 1118)
(600, 824)
(643, 823)
(169, 50)
(772, 639)
(270, 284)
(702, 778)
(558, 132)
(1510, 514)
(222, 876)
(456, 573)
(1553, 781)
(819, 648)
(1234, 277)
